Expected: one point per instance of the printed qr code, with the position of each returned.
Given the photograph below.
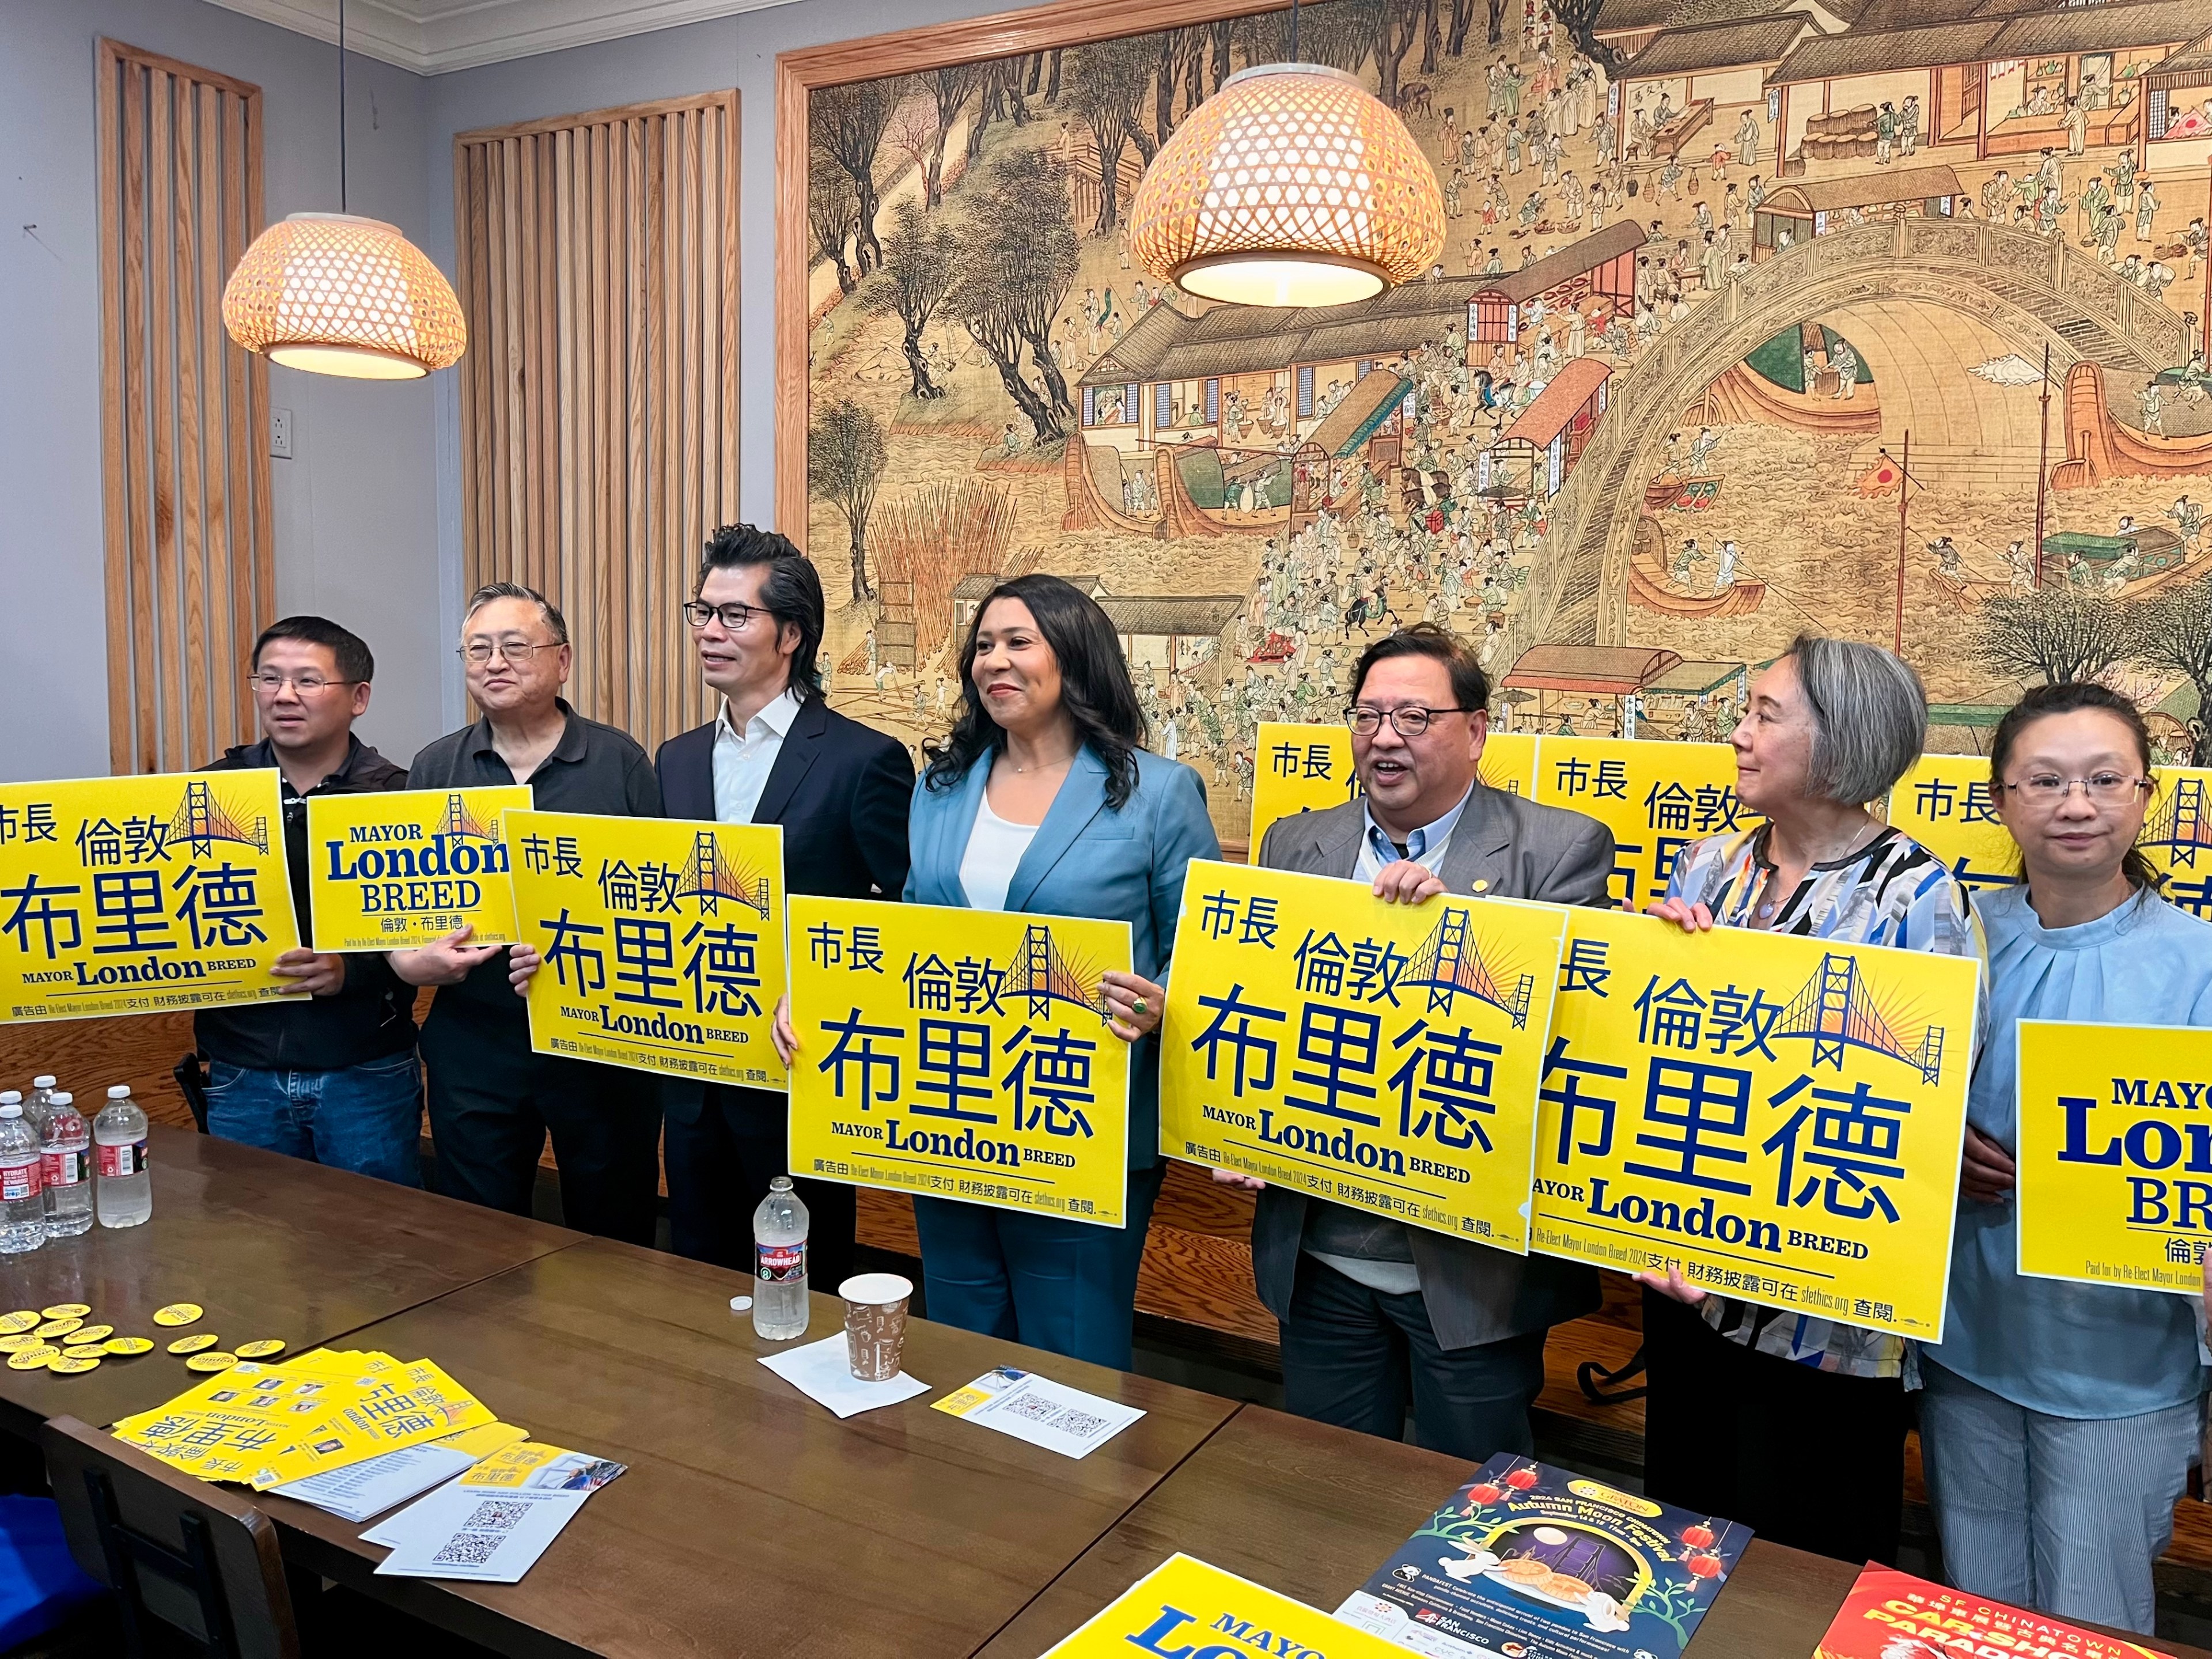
(1035, 1407)
(469, 1549)
(493, 1516)
(1081, 1424)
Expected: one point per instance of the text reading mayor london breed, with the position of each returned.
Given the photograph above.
(437, 873)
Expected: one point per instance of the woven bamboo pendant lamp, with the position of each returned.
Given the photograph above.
(339, 294)
(1292, 185)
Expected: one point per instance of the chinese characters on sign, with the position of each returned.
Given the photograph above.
(663, 941)
(959, 1053)
(1304, 768)
(1780, 1116)
(1656, 798)
(2115, 1153)
(393, 871)
(1380, 1055)
(125, 895)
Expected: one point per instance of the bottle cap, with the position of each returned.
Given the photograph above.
(61, 1097)
(11, 1109)
(120, 1091)
(8, 1096)
(42, 1083)
(781, 1184)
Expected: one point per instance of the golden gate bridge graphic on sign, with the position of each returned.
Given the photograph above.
(458, 820)
(2182, 823)
(203, 819)
(1836, 1011)
(709, 877)
(1041, 973)
(1450, 963)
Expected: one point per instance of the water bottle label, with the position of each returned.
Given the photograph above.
(62, 1168)
(780, 1264)
(19, 1181)
(123, 1157)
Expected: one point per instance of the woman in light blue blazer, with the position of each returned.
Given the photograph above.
(1042, 799)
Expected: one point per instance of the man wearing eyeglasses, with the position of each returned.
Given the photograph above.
(330, 1074)
(492, 1101)
(775, 754)
(1374, 1311)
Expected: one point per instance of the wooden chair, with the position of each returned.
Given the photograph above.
(174, 1550)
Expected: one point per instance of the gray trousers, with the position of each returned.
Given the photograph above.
(2063, 1515)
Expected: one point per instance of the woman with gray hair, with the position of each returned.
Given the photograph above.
(1795, 1425)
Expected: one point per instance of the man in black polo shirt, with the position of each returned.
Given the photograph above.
(329, 1075)
(492, 1101)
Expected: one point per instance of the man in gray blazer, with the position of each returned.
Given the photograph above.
(1372, 1308)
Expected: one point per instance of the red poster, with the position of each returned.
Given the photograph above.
(1893, 1615)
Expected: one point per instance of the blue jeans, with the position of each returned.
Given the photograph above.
(365, 1118)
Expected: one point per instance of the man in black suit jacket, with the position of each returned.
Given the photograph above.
(775, 754)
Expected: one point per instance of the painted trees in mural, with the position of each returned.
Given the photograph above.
(1741, 331)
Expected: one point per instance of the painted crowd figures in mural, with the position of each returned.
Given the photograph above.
(1750, 320)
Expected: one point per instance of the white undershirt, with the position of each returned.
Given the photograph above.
(994, 848)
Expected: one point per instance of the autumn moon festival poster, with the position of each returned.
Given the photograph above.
(1527, 1561)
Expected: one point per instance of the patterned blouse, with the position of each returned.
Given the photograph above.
(1892, 892)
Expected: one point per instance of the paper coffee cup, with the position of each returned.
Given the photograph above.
(875, 1323)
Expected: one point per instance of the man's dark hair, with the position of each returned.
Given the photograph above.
(355, 660)
(791, 591)
(1470, 685)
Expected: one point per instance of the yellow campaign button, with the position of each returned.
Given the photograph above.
(22, 1320)
(92, 1333)
(210, 1362)
(127, 1344)
(61, 1326)
(66, 1310)
(193, 1344)
(260, 1350)
(33, 1359)
(20, 1341)
(84, 1350)
(179, 1313)
(70, 1365)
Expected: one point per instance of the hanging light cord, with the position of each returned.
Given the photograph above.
(1294, 30)
(341, 104)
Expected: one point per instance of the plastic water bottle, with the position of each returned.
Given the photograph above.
(65, 1169)
(22, 1212)
(122, 1192)
(34, 1108)
(780, 1247)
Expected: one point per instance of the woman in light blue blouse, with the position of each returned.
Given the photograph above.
(2059, 1420)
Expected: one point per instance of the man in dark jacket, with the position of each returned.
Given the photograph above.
(329, 1075)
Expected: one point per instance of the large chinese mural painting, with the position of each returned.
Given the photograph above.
(1880, 320)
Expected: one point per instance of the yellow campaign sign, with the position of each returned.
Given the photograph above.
(1185, 1609)
(125, 895)
(1780, 1116)
(2114, 1150)
(1304, 768)
(392, 871)
(963, 1053)
(1656, 797)
(662, 939)
(1384, 1056)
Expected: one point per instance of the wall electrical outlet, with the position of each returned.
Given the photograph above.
(280, 434)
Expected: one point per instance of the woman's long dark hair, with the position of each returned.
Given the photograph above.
(1094, 687)
(2068, 697)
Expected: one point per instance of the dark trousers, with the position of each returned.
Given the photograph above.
(720, 1164)
(493, 1103)
(1805, 1457)
(1356, 1357)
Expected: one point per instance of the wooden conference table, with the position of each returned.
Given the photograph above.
(751, 1521)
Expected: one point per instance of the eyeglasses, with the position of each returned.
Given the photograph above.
(1409, 721)
(516, 652)
(2106, 789)
(734, 616)
(307, 685)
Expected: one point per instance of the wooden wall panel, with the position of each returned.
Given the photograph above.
(190, 562)
(598, 262)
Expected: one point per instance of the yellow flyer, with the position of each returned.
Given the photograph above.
(1303, 767)
(1381, 1055)
(963, 1053)
(392, 871)
(1185, 1607)
(1780, 1116)
(2115, 1153)
(1943, 803)
(125, 895)
(663, 941)
(1655, 796)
